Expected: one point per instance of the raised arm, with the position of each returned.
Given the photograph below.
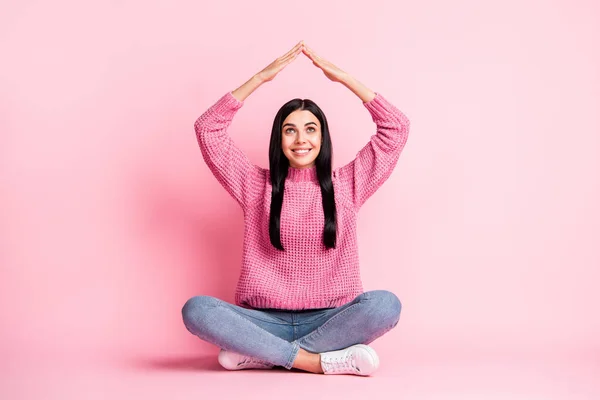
(375, 162)
(228, 163)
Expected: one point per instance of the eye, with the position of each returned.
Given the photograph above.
(288, 130)
(309, 129)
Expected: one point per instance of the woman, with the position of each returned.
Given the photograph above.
(299, 301)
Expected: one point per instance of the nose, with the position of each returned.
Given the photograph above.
(300, 138)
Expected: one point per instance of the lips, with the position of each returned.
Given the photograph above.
(301, 152)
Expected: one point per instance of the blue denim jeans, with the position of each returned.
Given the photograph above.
(276, 336)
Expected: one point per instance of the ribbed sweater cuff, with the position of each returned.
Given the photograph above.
(227, 105)
(379, 107)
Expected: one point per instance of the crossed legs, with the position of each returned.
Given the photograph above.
(265, 336)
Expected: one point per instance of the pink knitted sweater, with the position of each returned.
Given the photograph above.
(307, 274)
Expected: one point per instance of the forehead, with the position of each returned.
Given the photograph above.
(300, 117)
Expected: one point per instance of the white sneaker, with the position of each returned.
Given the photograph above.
(234, 361)
(359, 359)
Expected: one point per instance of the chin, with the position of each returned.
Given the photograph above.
(299, 164)
(303, 165)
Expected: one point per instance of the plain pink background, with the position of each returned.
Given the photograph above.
(488, 229)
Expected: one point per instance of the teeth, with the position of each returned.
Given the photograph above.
(301, 151)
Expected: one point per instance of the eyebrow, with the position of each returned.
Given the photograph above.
(308, 123)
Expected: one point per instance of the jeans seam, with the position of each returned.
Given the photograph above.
(249, 315)
(292, 357)
(319, 330)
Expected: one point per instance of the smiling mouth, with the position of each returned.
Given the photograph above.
(301, 151)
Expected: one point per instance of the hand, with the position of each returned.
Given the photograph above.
(331, 71)
(269, 72)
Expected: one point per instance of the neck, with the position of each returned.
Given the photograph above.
(302, 174)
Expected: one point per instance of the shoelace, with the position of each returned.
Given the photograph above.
(345, 363)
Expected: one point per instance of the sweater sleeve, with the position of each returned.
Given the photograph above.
(232, 168)
(375, 162)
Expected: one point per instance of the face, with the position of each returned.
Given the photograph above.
(301, 131)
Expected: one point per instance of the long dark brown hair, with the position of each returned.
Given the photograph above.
(279, 165)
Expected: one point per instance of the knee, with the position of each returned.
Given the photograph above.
(388, 306)
(195, 311)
